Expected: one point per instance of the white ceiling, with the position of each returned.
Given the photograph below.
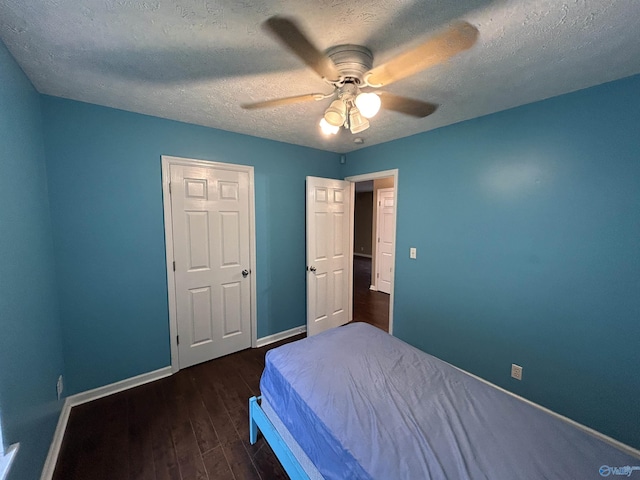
(197, 60)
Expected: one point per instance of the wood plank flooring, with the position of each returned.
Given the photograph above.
(368, 306)
(192, 425)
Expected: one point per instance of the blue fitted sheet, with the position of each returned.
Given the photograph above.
(363, 404)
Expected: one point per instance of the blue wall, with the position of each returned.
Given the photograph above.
(106, 200)
(30, 338)
(527, 225)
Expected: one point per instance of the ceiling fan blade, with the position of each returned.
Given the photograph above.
(288, 32)
(408, 106)
(438, 49)
(279, 102)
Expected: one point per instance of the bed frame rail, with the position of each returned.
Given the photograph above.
(258, 420)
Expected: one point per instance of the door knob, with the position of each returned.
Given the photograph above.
(245, 273)
(313, 269)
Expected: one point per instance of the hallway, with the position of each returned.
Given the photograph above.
(368, 306)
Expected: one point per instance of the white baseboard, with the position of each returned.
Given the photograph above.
(276, 337)
(89, 395)
(366, 255)
(373, 288)
(56, 442)
(120, 386)
(6, 459)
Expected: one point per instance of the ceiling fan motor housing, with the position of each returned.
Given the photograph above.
(353, 61)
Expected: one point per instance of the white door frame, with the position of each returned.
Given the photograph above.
(167, 161)
(363, 178)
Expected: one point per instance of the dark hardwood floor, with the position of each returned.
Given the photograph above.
(368, 306)
(192, 425)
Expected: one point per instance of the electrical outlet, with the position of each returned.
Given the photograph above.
(516, 371)
(60, 386)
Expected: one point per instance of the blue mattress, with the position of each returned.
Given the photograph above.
(363, 404)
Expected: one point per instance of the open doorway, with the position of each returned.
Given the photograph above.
(373, 248)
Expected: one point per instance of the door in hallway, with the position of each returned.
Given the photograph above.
(385, 247)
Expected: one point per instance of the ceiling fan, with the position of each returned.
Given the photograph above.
(349, 69)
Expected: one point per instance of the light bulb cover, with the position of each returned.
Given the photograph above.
(368, 104)
(336, 114)
(357, 123)
(328, 129)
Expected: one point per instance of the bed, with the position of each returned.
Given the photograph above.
(355, 402)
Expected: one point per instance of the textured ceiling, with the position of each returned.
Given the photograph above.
(197, 60)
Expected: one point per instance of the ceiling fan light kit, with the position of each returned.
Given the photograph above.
(347, 110)
(348, 68)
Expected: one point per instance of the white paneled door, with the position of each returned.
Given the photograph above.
(211, 247)
(328, 253)
(385, 246)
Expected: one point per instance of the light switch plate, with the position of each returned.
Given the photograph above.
(413, 252)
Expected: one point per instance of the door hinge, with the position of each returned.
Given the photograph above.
(378, 239)
(377, 275)
(169, 188)
(174, 265)
(178, 339)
